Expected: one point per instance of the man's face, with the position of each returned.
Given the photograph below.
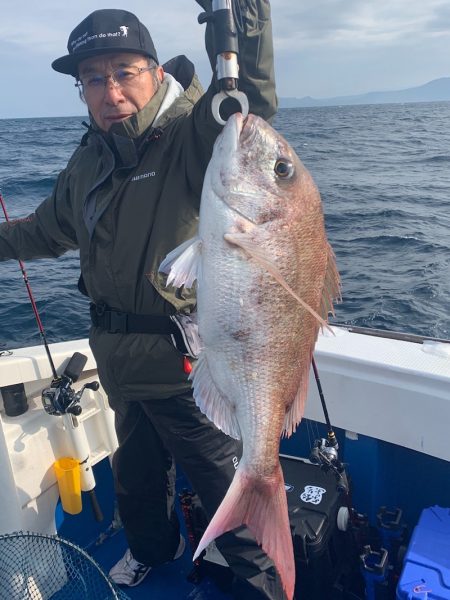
(116, 101)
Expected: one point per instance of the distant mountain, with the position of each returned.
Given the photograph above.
(437, 90)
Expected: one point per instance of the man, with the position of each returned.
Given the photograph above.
(130, 194)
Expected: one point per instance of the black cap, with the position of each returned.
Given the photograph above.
(108, 30)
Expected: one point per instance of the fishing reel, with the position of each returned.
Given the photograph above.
(60, 398)
(325, 453)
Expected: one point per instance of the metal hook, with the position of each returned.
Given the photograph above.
(221, 96)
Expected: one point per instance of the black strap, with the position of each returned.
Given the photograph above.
(115, 321)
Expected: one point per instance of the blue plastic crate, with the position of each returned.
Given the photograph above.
(426, 568)
(436, 519)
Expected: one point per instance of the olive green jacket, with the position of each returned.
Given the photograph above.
(128, 197)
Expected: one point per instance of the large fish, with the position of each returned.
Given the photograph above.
(266, 280)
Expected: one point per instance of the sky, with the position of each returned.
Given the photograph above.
(323, 48)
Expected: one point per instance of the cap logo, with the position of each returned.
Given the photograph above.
(86, 38)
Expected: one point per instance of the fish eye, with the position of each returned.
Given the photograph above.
(283, 168)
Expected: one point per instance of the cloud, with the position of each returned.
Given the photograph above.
(38, 30)
(440, 20)
(45, 26)
(354, 23)
(322, 47)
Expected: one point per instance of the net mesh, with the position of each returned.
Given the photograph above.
(35, 566)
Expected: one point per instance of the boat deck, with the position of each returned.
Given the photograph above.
(167, 582)
(388, 401)
(107, 546)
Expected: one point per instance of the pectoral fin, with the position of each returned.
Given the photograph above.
(255, 252)
(183, 264)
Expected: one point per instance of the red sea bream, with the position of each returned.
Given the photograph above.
(266, 280)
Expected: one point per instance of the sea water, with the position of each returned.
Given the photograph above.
(384, 176)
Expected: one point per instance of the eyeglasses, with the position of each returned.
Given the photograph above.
(124, 77)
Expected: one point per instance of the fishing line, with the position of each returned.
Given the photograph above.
(31, 297)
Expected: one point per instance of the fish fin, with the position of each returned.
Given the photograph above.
(295, 413)
(332, 286)
(262, 506)
(183, 263)
(242, 240)
(331, 292)
(210, 401)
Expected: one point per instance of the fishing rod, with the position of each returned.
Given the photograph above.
(331, 434)
(31, 297)
(325, 451)
(60, 399)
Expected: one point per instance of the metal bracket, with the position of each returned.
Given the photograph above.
(221, 96)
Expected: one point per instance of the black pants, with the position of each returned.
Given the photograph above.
(153, 436)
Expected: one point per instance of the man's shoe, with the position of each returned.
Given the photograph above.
(130, 572)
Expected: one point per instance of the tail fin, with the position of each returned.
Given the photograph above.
(262, 506)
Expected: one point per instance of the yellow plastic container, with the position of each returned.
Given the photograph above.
(68, 476)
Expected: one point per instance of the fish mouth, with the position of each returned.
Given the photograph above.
(237, 131)
(247, 127)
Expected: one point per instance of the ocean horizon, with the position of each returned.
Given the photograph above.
(384, 178)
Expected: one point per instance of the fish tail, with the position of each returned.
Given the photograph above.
(261, 505)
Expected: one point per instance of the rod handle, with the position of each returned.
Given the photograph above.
(75, 366)
(98, 515)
